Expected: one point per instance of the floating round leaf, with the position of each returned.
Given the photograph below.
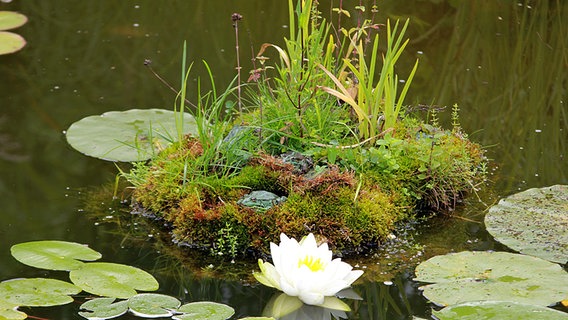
(500, 276)
(204, 310)
(37, 292)
(10, 42)
(8, 311)
(9, 314)
(103, 308)
(133, 135)
(533, 222)
(112, 279)
(10, 20)
(153, 305)
(53, 254)
(498, 310)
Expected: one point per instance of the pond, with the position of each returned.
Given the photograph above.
(504, 63)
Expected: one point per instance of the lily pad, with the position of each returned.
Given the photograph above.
(112, 279)
(10, 20)
(9, 311)
(498, 310)
(133, 135)
(11, 42)
(37, 292)
(152, 305)
(103, 308)
(533, 222)
(204, 310)
(53, 255)
(498, 276)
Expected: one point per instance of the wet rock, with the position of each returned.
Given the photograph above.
(261, 200)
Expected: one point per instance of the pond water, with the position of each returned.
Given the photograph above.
(504, 62)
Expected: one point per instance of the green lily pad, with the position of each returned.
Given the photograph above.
(499, 276)
(53, 255)
(533, 222)
(204, 310)
(112, 279)
(11, 42)
(9, 314)
(153, 305)
(133, 135)
(498, 310)
(37, 292)
(10, 20)
(8, 311)
(103, 308)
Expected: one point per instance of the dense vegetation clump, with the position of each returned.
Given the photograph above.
(322, 145)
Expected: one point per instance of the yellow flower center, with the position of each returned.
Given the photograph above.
(313, 264)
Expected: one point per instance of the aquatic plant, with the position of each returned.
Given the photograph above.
(305, 270)
(110, 281)
(332, 147)
(11, 42)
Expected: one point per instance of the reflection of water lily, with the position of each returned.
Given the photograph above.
(284, 307)
(305, 270)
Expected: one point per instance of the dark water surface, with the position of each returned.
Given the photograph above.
(504, 62)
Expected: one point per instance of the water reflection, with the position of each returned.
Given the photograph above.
(284, 307)
(503, 63)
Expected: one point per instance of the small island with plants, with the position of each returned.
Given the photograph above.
(317, 140)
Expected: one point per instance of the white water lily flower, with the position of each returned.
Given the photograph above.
(305, 270)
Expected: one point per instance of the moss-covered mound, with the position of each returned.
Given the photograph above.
(353, 203)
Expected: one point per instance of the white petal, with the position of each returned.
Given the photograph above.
(312, 298)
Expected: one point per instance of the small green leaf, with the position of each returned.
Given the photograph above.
(103, 308)
(112, 279)
(10, 42)
(498, 310)
(152, 305)
(53, 255)
(204, 310)
(10, 20)
(8, 311)
(37, 292)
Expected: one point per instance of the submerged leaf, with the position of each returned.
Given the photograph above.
(112, 279)
(133, 135)
(205, 310)
(501, 276)
(37, 292)
(53, 255)
(501, 310)
(533, 222)
(152, 305)
(103, 308)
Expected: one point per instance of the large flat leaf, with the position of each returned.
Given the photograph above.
(37, 292)
(499, 276)
(9, 311)
(112, 279)
(152, 305)
(204, 310)
(10, 42)
(498, 310)
(53, 255)
(533, 222)
(103, 308)
(133, 135)
(10, 20)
